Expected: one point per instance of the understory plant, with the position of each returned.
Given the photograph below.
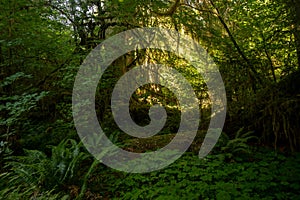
(235, 148)
(268, 175)
(36, 175)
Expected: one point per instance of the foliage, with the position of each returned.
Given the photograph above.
(230, 148)
(35, 174)
(278, 108)
(266, 175)
(255, 44)
(16, 106)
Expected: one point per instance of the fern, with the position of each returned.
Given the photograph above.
(237, 145)
(26, 174)
(65, 157)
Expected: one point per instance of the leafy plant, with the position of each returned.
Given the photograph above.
(18, 105)
(239, 144)
(4, 152)
(237, 148)
(35, 173)
(211, 178)
(11, 79)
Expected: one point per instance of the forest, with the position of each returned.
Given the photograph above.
(255, 46)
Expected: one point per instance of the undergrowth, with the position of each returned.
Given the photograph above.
(233, 170)
(262, 175)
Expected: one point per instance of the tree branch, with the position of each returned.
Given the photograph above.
(170, 11)
(253, 76)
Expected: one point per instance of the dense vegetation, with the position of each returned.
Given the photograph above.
(256, 46)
